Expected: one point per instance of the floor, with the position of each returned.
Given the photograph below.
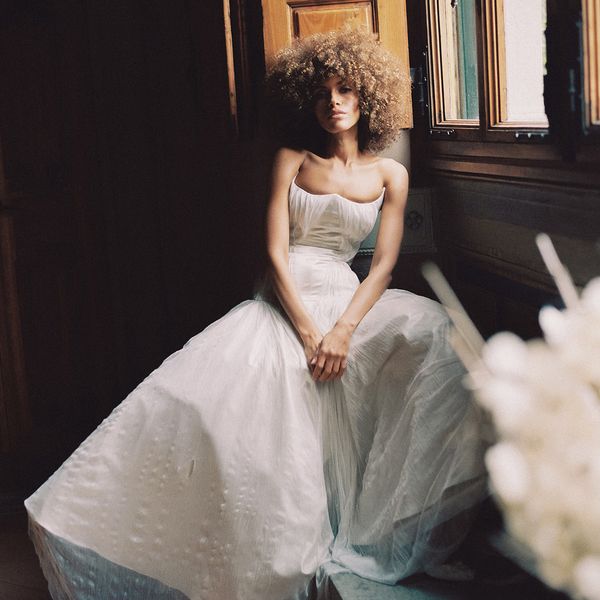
(20, 575)
(497, 578)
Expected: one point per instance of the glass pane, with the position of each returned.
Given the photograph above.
(458, 58)
(525, 56)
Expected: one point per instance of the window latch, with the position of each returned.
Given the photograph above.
(531, 136)
(442, 133)
(419, 81)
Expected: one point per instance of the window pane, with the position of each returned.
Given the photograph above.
(458, 58)
(591, 27)
(525, 60)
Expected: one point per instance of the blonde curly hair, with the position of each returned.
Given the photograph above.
(359, 59)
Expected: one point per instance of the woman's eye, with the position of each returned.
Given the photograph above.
(345, 89)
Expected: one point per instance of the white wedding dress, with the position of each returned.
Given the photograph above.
(229, 474)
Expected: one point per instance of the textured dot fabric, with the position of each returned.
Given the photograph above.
(229, 474)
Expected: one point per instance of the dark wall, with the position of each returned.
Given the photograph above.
(136, 210)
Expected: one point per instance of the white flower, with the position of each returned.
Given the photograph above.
(505, 354)
(511, 405)
(590, 298)
(587, 577)
(553, 324)
(574, 334)
(544, 400)
(509, 472)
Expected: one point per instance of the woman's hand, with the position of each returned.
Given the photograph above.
(331, 359)
(311, 341)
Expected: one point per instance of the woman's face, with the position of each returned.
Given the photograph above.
(336, 105)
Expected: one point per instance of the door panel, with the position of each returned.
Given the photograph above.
(313, 19)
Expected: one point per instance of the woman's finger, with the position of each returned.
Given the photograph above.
(337, 369)
(327, 369)
(318, 368)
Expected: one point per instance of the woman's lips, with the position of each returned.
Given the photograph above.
(336, 114)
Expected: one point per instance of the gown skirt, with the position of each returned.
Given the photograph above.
(229, 474)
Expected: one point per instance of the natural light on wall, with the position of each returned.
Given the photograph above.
(525, 60)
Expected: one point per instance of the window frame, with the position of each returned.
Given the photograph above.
(565, 153)
(490, 81)
(591, 65)
(494, 50)
(436, 93)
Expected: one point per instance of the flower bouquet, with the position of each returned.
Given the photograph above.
(543, 397)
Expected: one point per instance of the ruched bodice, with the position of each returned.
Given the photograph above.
(325, 233)
(330, 222)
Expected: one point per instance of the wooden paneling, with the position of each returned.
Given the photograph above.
(487, 243)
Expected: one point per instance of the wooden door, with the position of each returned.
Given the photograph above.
(286, 20)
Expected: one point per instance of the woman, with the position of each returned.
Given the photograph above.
(326, 430)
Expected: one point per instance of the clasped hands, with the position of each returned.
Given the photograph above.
(327, 355)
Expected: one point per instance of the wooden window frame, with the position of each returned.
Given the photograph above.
(436, 92)
(494, 50)
(591, 64)
(491, 125)
(564, 153)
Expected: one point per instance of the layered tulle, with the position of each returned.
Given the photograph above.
(228, 473)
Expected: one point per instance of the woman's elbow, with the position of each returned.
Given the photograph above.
(380, 279)
(276, 257)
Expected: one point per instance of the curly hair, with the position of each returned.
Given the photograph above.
(359, 59)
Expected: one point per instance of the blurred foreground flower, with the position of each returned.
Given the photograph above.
(544, 400)
(545, 470)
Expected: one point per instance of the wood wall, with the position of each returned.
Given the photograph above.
(493, 197)
(131, 214)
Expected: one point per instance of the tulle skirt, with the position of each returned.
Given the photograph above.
(228, 473)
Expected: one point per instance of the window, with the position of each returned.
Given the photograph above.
(508, 37)
(516, 62)
(454, 63)
(591, 62)
(513, 88)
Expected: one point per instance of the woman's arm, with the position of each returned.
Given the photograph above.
(330, 361)
(285, 166)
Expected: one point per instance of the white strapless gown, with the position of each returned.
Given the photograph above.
(229, 474)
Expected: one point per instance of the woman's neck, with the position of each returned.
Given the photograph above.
(343, 147)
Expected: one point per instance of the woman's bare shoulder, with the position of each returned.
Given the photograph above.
(393, 173)
(289, 158)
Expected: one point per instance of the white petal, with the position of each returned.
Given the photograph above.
(553, 324)
(591, 295)
(587, 577)
(509, 472)
(505, 354)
